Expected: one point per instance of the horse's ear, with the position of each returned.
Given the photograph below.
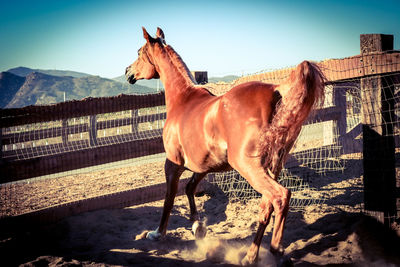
(160, 34)
(147, 36)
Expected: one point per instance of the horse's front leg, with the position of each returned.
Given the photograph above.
(190, 190)
(172, 174)
(199, 229)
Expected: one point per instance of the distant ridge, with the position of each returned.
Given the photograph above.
(24, 86)
(38, 88)
(153, 83)
(226, 79)
(24, 71)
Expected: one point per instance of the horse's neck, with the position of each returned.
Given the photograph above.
(175, 76)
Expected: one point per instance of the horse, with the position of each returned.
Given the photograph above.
(251, 129)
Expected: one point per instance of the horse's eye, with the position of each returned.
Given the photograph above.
(138, 52)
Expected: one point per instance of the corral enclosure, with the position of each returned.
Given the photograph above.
(71, 157)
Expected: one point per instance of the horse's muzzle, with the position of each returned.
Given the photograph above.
(129, 77)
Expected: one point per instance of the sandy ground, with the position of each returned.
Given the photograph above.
(23, 197)
(334, 233)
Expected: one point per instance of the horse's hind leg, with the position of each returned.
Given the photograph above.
(275, 196)
(264, 218)
(172, 174)
(190, 190)
(280, 219)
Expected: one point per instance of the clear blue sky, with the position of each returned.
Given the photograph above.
(222, 37)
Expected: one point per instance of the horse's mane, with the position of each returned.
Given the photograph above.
(180, 64)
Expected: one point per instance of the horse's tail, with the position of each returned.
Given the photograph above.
(303, 89)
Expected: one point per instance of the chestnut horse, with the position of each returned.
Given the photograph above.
(251, 128)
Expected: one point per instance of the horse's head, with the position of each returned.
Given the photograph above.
(144, 67)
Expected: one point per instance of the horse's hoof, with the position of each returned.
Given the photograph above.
(141, 236)
(279, 251)
(285, 262)
(199, 229)
(246, 261)
(153, 235)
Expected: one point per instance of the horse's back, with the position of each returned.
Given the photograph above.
(252, 101)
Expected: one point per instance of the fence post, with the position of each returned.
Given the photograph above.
(201, 77)
(341, 123)
(64, 136)
(92, 130)
(1, 145)
(135, 123)
(378, 138)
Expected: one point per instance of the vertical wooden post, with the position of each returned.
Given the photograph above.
(92, 130)
(201, 77)
(378, 139)
(64, 134)
(135, 124)
(1, 145)
(341, 123)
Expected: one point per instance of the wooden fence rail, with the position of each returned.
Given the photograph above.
(19, 163)
(78, 108)
(28, 136)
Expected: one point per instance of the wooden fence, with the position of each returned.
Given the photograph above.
(95, 150)
(368, 68)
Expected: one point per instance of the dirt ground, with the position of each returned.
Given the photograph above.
(334, 233)
(29, 196)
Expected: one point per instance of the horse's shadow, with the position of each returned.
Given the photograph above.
(108, 236)
(377, 243)
(215, 206)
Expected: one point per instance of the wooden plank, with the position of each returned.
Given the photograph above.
(28, 136)
(343, 69)
(44, 150)
(128, 121)
(23, 169)
(64, 131)
(325, 114)
(319, 154)
(84, 107)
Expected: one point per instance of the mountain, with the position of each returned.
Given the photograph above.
(39, 88)
(23, 86)
(23, 72)
(121, 79)
(226, 79)
(153, 83)
(9, 86)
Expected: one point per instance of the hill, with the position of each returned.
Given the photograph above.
(23, 86)
(24, 71)
(38, 88)
(9, 86)
(226, 79)
(153, 83)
